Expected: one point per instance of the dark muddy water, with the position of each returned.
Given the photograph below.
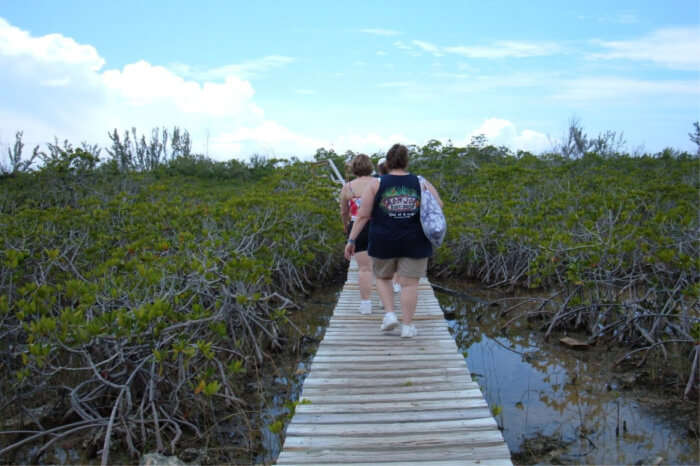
(563, 406)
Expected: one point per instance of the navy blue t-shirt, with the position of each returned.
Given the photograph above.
(395, 229)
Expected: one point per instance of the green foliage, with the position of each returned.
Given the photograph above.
(186, 281)
(179, 271)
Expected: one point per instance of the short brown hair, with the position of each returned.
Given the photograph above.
(361, 165)
(397, 157)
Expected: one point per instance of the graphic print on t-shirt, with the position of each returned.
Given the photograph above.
(400, 202)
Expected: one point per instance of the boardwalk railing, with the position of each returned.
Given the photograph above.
(373, 397)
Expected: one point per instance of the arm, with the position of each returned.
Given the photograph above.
(363, 216)
(344, 210)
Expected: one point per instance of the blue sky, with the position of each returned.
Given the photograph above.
(284, 78)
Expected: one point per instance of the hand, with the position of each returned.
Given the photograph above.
(349, 250)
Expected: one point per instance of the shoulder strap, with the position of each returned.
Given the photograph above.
(350, 188)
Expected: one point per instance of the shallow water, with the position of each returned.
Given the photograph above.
(558, 405)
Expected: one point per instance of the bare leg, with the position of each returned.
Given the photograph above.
(364, 265)
(409, 298)
(386, 293)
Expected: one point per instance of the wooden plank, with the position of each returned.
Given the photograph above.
(386, 364)
(385, 351)
(347, 323)
(338, 340)
(392, 406)
(475, 438)
(479, 462)
(377, 398)
(388, 397)
(418, 317)
(401, 455)
(406, 381)
(396, 357)
(374, 329)
(370, 389)
(403, 343)
(361, 374)
(396, 428)
(387, 337)
(399, 416)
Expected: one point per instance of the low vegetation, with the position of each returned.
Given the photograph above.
(140, 294)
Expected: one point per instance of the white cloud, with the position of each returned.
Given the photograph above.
(381, 53)
(51, 48)
(427, 47)
(141, 84)
(452, 76)
(369, 143)
(623, 18)
(500, 132)
(402, 45)
(380, 32)
(396, 84)
(677, 48)
(246, 70)
(52, 86)
(614, 88)
(506, 49)
(532, 141)
(498, 49)
(268, 138)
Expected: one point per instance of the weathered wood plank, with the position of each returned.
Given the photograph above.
(401, 455)
(371, 389)
(388, 352)
(388, 338)
(387, 397)
(400, 416)
(377, 398)
(386, 365)
(391, 407)
(480, 462)
(422, 372)
(475, 438)
(381, 359)
(396, 428)
(408, 381)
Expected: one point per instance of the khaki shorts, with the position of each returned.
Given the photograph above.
(405, 266)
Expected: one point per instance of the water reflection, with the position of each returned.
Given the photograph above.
(558, 405)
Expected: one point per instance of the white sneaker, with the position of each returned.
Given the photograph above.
(365, 307)
(397, 287)
(390, 322)
(408, 331)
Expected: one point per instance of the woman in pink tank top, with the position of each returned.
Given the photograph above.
(361, 167)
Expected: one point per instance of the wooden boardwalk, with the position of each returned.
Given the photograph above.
(379, 398)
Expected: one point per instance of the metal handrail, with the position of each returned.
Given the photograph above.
(335, 174)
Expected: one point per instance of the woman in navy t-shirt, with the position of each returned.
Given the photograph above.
(396, 239)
